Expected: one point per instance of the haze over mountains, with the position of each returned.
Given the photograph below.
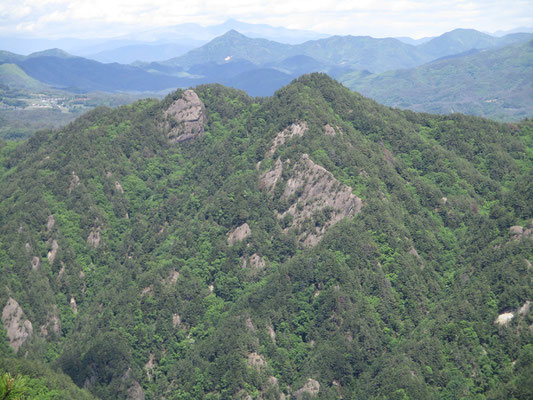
(154, 44)
(260, 66)
(495, 83)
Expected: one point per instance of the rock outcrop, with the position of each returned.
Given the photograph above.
(518, 232)
(296, 129)
(256, 361)
(525, 308)
(255, 262)
(73, 305)
(50, 223)
(239, 234)
(313, 194)
(176, 320)
(35, 263)
(119, 187)
(93, 239)
(185, 118)
(172, 278)
(329, 130)
(269, 179)
(135, 391)
(53, 251)
(74, 181)
(504, 318)
(18, 329)
(311, 388)
(149, 367)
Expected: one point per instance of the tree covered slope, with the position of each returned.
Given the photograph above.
(309, 244)
(491, 83)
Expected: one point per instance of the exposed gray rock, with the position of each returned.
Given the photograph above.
(525, 308)
(329, 130)
(296, 129)
(256, 361)
(73, 305)
(312, 190)
(35, 263)
(74, 181)
(271, 332)
(518, 232)
(18, 329)
(239, 234)
(62, 270)
(51, 222)
(176, 320)
(135, 391)
(150, 366)
(255, 262)
(413, 251)
(186, 117)
(172, 278)
(250, 325)
(147, 290)
(269, 179)
(504, 318)
(93, 239)
(118, 186)
(311, 388)
(52, 253)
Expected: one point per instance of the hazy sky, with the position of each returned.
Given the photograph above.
(379, 18)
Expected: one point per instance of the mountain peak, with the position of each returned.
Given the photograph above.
(233, 33)
(55, 52)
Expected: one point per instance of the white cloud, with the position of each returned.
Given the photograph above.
(93, 18)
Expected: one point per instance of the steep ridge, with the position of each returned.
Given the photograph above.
(370, 250)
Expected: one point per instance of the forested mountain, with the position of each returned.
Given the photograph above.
(461, 40)
(312, 244)
(361, 52)
(152, 44)
(355, 52)
(81, 73)
(492, 83)
(261, 66)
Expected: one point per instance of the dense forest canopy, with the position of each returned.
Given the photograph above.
(310, 244)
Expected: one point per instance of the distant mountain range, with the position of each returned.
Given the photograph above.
(261, 66)
(156, 44)
(59, 69)
(496, 83)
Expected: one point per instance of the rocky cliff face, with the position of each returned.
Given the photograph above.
(316, 199)
(185, 118)
(18, 329)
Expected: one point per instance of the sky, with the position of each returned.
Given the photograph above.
(379, 18)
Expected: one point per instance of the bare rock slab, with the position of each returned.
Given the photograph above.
(186, 118)
(239, 234)
(18, 329)
(311, 388)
